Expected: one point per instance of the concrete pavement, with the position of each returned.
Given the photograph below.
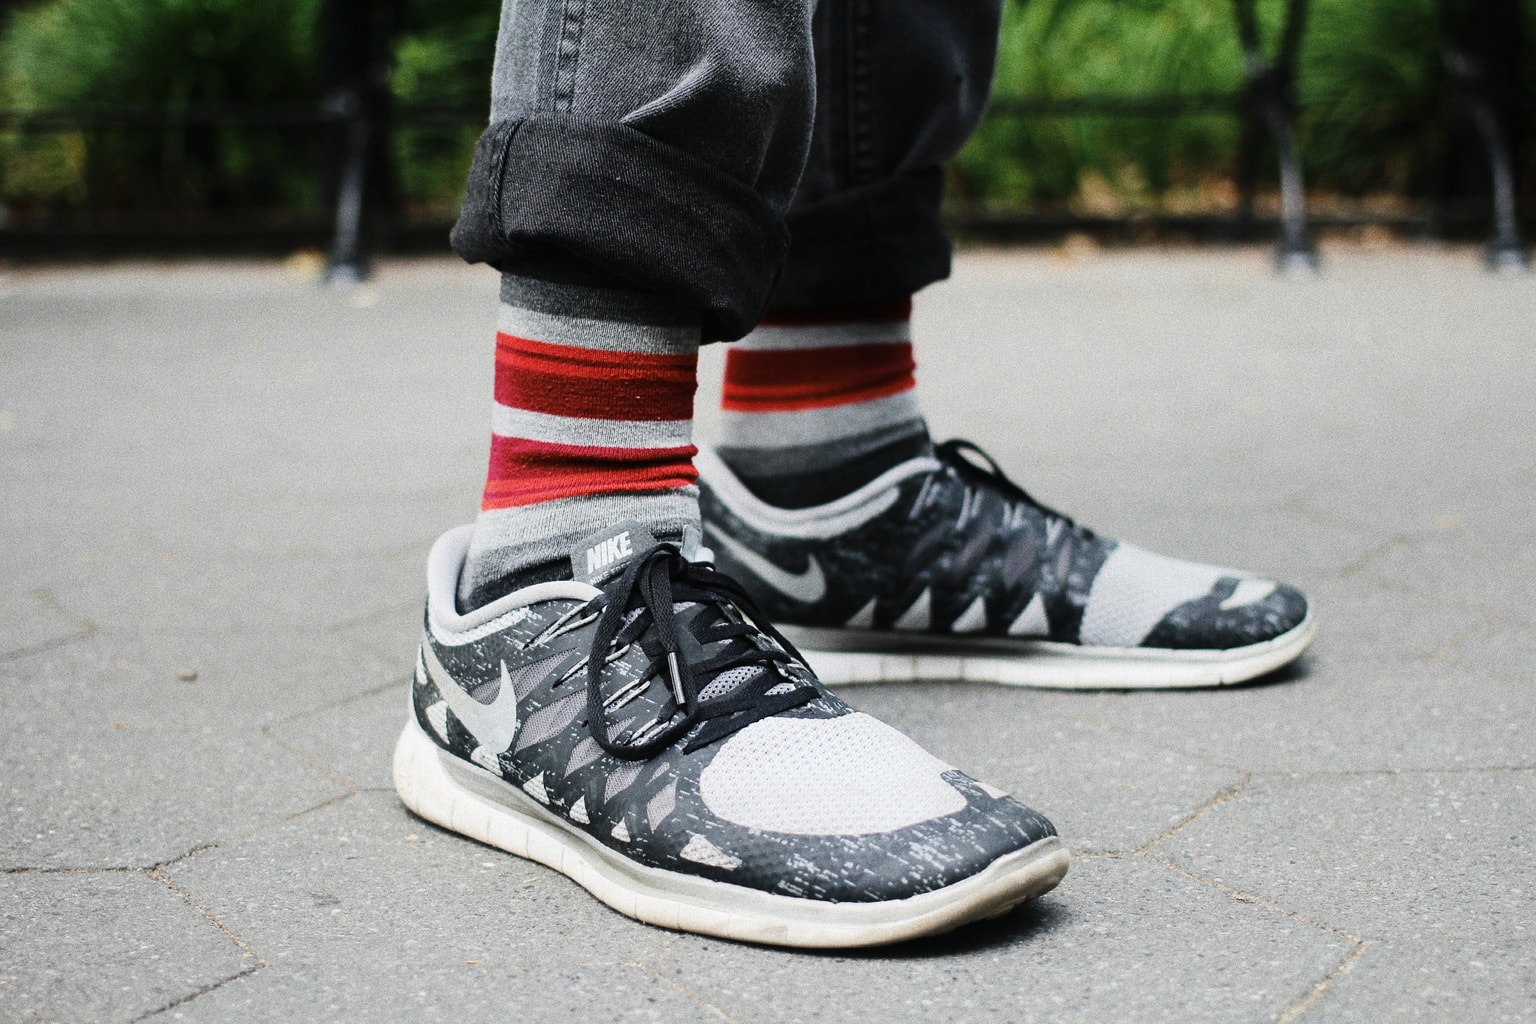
(220, 483)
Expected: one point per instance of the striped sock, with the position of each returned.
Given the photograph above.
(592, 425)
(818, 403)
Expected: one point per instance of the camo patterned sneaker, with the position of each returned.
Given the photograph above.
(943, 568)
(642, 729)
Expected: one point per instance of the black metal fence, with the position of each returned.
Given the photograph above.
(349, 128)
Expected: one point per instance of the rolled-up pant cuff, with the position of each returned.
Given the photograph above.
(882, 241)
(653, 217)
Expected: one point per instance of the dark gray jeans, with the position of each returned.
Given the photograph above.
(728, 156)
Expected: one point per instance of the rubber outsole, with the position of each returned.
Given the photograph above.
(849, 656)
(465, 798)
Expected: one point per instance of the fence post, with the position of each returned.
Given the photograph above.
(1269, 103)
(1482, 48)
(356, 56)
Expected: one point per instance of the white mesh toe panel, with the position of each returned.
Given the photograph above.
(826, 777)
(1135, 589)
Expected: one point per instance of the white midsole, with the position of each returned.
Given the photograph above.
(461, 796)
(845, 656)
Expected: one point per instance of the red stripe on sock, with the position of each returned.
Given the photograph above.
(523, 472)
(784, 380)
(593, 383)
(896, 311)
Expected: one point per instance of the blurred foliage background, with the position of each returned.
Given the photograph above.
(1373, 128)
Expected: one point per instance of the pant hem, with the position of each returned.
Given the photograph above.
(650, 216)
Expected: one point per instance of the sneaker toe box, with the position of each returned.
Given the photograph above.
(1239, 612)
(889, 866)
(848, 810)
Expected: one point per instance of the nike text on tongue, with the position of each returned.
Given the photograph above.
(604, 554)
(607, 552)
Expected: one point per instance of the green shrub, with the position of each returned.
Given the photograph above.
(1370, 84)
(1070, 48)
(167, 55)
(1053, 49)
(442, 58)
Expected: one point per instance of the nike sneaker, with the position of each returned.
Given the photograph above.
(643, 730)
(943, 568)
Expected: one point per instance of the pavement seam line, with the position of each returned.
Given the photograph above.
(158, 874)
(1305, 1003)
(1442, 655)
(1261, 901)
(642, 966)
(46, 646)
(402, 606)
(1375, 554)
(85, 627)
(373, 691)
(183, 1000)
(200, 848)
(328, 772)
(245, 947)
(258, 829)
(121, 869)
(296, 815)
(1226, 795)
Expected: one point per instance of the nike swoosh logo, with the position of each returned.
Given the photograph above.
(808, 586)
(493, 724)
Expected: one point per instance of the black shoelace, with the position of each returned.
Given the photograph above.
(652, 583)
(953, 454)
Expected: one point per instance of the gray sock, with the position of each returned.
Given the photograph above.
(592, 425)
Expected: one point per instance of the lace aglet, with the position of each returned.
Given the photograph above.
(677, 679)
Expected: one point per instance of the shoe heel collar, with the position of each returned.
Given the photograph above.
(818, 521)
(444, 566)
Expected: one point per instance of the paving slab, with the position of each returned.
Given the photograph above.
(1365, 622)
(364, 905)
(138, 798)
(1104, 788)
(1500, 648)
(1433, 869)
(104, 946)
(1103, 947)
(1352, 718)
(1497, 573)
(353, 739)
(358, 986)
(244, 678)
(364, 870)
(88, 780)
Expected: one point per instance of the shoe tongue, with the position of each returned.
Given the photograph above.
(603, 555)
